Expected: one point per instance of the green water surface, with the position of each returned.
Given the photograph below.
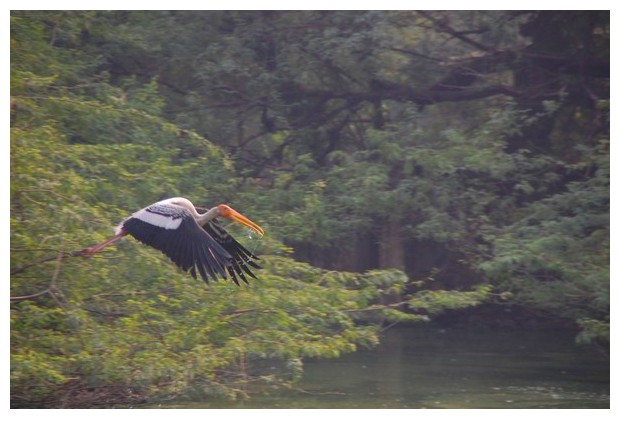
(422, 367)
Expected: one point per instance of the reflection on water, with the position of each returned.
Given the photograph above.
(423, 367)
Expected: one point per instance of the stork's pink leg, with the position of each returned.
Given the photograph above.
(89, 251)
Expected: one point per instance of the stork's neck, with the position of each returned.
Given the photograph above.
(211, 214)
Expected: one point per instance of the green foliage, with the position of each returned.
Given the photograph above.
(437, 301)
(556, 255)
(331, 133)
(176, 337)
(593, 330)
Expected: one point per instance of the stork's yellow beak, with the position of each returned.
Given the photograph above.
(232, 214)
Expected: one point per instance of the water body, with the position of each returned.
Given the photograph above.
(424, 367)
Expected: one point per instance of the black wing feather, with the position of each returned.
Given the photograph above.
(204, 263)
(241, 257)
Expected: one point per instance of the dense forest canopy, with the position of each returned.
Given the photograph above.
(402, 163)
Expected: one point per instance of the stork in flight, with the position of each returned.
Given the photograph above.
(193, 241)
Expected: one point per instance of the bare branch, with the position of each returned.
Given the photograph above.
(34, 295)
(51, 289)
(60, 256)
(415, 54)
(461, 35)
(24, 267)
(399, 92)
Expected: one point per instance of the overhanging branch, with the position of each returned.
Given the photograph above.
(398, 92)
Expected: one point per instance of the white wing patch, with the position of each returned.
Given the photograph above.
(164, 214)
(157, 219)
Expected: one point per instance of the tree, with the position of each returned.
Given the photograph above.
(88, 146)
(463, 154)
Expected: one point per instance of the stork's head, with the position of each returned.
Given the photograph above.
(227, 212)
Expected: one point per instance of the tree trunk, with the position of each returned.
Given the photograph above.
(391, 247)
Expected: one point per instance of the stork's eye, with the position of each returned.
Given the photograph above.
(224, 210)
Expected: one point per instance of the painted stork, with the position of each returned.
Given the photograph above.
(193, 241)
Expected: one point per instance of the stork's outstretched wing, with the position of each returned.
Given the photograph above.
(177, 234)
(242, 258)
